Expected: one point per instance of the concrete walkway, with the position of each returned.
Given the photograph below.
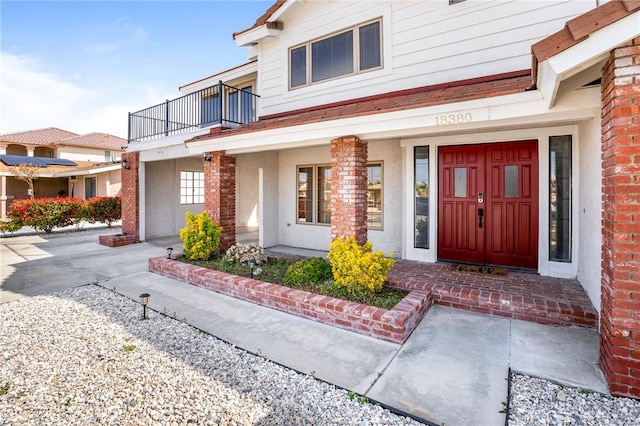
(451, 371)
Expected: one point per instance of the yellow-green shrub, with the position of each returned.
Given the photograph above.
(201, 236)
(356, 268)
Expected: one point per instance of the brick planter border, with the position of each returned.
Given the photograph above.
(393, 325)
(117, 240)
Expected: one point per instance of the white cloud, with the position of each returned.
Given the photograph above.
(32, 98)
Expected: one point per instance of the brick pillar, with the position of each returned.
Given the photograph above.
(131, 195)
(349, 188)
(620, 312)
(220, 195)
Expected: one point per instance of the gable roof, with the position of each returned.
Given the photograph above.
(581, 27)
(47, 136)
(96, 140)
(582, 46)
(263, 19)
(55, 136)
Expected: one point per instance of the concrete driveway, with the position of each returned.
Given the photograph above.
(45, 263)
(451, 370)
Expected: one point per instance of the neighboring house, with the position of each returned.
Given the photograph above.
(70, 165)
(502, 133)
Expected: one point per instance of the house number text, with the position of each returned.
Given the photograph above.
(457, 118)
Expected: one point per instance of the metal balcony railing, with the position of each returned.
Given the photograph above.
(216, 105)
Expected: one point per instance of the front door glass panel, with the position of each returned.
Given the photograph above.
(510, 181)
(460, 190)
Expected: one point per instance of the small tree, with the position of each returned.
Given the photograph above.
(27, 173)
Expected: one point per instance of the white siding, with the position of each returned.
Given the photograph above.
(424, 43)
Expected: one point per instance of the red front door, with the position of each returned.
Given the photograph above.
(488, 204)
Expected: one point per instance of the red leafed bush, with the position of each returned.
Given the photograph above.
(44, 214)
(104, 209)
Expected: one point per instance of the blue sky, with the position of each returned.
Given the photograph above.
(83, 65)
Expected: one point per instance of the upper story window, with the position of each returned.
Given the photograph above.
(348, 52)
(110, 156)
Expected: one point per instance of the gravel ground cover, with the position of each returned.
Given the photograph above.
(540, 402)
(83, 356)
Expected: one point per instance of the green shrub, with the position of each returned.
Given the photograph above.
(44, 214)
(10, 227)
(310, 271)
(356, 268)
(201, 236)
(104, 209)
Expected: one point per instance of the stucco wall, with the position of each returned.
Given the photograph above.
(590, 214)
(76, 153)
(164, 216)
(249, 206)
(43, 187)
(247, 189)
(110, 183)
(389, 239)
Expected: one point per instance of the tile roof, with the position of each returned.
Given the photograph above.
(581, 27)
(46, 136)
(263, 19)
(55, 136)
(96, 140)
(460, 91)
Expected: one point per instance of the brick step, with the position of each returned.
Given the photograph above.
(521, 295)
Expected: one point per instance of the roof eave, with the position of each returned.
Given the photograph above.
(591, 50)
(254, 35)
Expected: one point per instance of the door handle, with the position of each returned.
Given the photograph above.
(480, 216)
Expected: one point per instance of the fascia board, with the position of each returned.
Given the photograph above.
(165, 142)
(253, 36)
(165, 153)
(527, 107)
(94, 171)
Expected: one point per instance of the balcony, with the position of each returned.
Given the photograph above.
(216, 105)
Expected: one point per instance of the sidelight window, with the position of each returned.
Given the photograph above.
(421, 185)
(560, 198)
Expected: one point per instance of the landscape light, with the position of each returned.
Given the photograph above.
(144, 299)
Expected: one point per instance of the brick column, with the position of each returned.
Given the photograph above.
(620, 313)
(130, 204)
(220, 195)
(349, 188)
(131, 195)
